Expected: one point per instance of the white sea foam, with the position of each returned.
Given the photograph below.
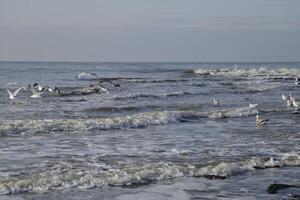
(88, 174)
(138, 120)
(248, 72)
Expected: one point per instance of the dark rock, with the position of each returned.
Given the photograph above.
(273, 188)
(295, 196)
(214, 177)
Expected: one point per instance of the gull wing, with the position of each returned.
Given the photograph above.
(12, 83)
(9, 92)
(18, 90)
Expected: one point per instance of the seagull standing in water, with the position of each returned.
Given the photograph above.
(216, 102)
(260, 121)
(14, 95)
(296, 81)
(85, 74)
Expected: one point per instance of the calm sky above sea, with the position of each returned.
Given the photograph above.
(144, 30)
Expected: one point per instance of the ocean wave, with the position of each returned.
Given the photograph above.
(159, 80)
(155, 96)
(139, 120)
(84, 174)
(252, 72)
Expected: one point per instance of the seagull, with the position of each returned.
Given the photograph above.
(260, 121)
(37, 85)
(291, 97)
(55, 89)
(98, 87)
(251, 105)
(289, 103)
(296, 81)
(117, 85)
(36, 93)
(295, 103)
(284, 97)
(216, 102)
(83, 74)
(51, 90)
(14, 95)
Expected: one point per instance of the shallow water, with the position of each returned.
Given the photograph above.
(159, 137)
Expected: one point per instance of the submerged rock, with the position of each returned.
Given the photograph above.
(273, 188)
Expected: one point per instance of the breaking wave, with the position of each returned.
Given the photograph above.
(88, 173)
(282, 73)
(138, 120)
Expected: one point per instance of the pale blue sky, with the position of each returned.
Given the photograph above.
(156, 30)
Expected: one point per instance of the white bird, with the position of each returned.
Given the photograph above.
(97, 87)
(260, 121)
(38, 86)
(84, 74)
(14, 95)
(296, 81)
(289, 103)
(51, 90)
(216, 102)
(55, 89)
(117, 85)
(284, 97)
(103, 89)
(291, 97)
(252, 105)
(37, 93)
(295, 103)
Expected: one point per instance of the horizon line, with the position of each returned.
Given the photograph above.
(46, 61)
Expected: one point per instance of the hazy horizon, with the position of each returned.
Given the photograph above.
(139, 31)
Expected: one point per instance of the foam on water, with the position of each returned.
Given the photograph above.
(89, 174)
(252, 72)
(203, 140)
(138, 120)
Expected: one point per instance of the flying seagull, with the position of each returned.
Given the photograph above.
(251, 105)
(14, 95)
(36, 93)
(51, 90)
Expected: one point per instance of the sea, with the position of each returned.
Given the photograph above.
(156, 137)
